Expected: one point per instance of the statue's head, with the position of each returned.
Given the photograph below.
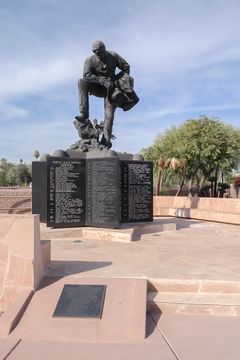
(98, 48)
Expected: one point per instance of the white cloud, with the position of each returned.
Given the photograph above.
(8, 111)
(168, 37)
(157, 38)
(34, 78)
(181, 55)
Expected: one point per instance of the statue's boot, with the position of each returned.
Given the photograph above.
(82, 118)
(106, 143)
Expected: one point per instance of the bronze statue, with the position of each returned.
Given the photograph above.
(100, 79)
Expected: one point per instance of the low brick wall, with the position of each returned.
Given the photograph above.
(15, 200)
(19, 201)
(212, 209)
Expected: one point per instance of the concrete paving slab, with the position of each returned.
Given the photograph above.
(153, 347)
(7, 345)
(197, 250)
(52, 350)
(199, 257)
(13, 313)
(201, 337)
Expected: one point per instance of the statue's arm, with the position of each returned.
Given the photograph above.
(88, 73)
(122, 64)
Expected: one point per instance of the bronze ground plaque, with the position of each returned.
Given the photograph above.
(81, 301)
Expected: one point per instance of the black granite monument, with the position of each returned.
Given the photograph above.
(102, 192)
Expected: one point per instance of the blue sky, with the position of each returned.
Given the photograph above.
(184, 57)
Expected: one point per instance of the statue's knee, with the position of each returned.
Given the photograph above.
(81, 82)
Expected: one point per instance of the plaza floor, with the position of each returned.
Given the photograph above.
(198, 258)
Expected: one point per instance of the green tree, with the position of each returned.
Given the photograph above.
(5, 167)
(12, 175)
(23, 175)
(208, 147)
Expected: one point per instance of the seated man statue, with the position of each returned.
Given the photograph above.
(100, 79)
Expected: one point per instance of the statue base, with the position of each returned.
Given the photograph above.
(100, 188)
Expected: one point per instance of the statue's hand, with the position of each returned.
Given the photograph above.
(101, 80)
(108, 84)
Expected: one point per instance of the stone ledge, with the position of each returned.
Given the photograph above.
(23, 257)
(196, 286)
(218, 216)
(194, 298)
(199, 214)
(126, 232)
(193, 309)
(217, 298)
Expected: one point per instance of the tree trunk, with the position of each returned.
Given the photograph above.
(183, 177)
(161, 180)
(197, 182)
(215, 182)
(180, 185)
(158, 181)
(190, 182)
(202, 181)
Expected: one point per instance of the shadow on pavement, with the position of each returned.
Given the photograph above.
(151, 325)
(62, 268)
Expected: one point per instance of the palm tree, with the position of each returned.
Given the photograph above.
(36, 154)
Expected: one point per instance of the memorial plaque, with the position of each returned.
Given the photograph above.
(81, 301)
(136, 191)
(66, 192)
(103, 192)
(39, 189)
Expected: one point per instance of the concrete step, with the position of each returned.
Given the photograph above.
(125, 233)
(194, 297)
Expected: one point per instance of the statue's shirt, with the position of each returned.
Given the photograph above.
(94, 67)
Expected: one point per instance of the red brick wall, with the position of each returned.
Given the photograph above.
(15, 200)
